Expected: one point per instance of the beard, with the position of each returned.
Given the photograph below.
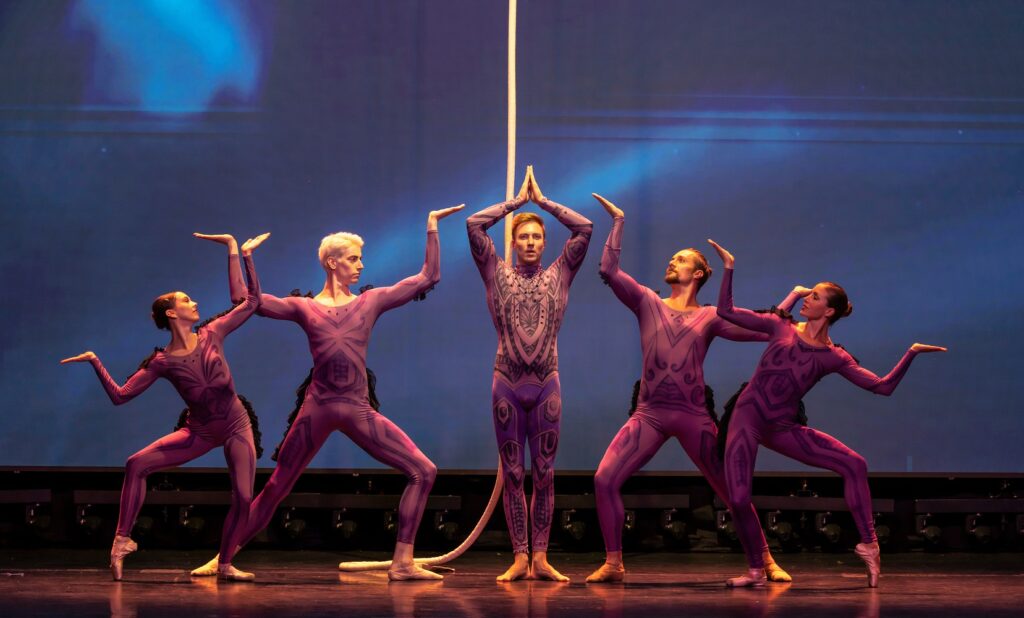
(672, 278)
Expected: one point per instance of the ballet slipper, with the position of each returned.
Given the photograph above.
(755, 578)
(541, 569)
(412, 572)
(871, 555)
(207, 570)
(774, 572)
(226, 572)
(607, 573)
(122, 547)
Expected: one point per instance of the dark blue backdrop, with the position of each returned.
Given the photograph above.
(877, 144)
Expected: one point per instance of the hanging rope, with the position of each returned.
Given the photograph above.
(510, 170)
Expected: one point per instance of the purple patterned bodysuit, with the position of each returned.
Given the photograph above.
(671, 399)
(336, 399)
(766, 410)
(216, 416)
(527, 306)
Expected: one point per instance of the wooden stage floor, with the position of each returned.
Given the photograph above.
(156, 583)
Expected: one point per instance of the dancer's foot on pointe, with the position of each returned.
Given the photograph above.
(520, 569)
(226, 572)
(411, 572)
(122, 547)
(871, 555)
(755, 578)
(207, 570)
(542, 569)
(607, 573)
(774, 572)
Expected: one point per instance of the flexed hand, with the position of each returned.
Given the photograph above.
(727, 257)
(535, 193)
(252, 243)
(524, 191)
(84, 357)
(922, 347)
(224, 239)
(801, 291)
(437, 215)
(612, 209)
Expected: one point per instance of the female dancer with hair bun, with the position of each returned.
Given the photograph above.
(798, 355)
(675, 334)
(194, 363)
(338, 324)
(527, 302)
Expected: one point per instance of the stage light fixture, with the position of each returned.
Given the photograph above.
(830, 531)
(143, 526)
(575, 528)
(983, 533)
(931, 533)
(88, 521)
(882, 530)
(37, 516)
(629, 523)
(449, 530)
(189, 521)
(391, 522)
(672, 527)
(292, 525)
(344, 524)
(726, 529)
(777, 527)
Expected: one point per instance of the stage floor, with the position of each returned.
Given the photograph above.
(56, 582)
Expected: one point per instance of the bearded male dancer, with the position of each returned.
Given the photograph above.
(799, 354)
(338, 323)
(194, 363)
(527, 303)
(675, 334)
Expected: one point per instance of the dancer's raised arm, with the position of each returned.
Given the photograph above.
(269, 306)
(582, 228)
(480, 243)
(751, 320)
(626, 288)
(244, 310)
(133, 387)
(409, 288)
(867, 380)
(732, 332)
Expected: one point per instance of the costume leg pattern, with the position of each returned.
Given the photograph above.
(309, 432)
(240, 453)
(171, 450)
(542, 426)
(510, 430)
(740, 455)
(698, 436)
(388, 444)
(635, 444)
(818, 449)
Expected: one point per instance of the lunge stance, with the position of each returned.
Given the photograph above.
(675, 334)
(338, 323)
(799, 354)
(194, 363)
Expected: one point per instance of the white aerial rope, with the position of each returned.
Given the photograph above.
(510, 171)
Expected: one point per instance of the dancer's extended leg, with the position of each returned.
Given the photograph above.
(635, 444)
(171, 450)
(386, 442)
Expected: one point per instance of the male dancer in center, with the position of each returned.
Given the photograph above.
(675, 334)
(527, 302)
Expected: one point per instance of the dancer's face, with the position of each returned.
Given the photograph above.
(680, 269)
(529, 243)
(184, 309)
(815, 305)
(348, 266)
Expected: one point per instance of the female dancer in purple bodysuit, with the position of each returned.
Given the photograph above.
(194, 363)
(675, 334)
(338, 324)
(527, 303)
(798, 355)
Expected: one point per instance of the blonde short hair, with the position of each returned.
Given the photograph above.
(337, 244)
